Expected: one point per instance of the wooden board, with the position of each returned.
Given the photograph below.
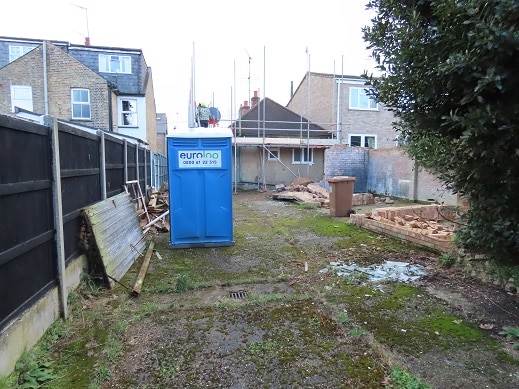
(301, 197)
(112, 237)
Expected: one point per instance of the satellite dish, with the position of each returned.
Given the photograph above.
(215, 113)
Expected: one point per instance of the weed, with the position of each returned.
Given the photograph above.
(342, 317)
(511, 333)
(4, 382)
(163, 285)
(505, 357)
(33, 373)
(103, 373)
(120, 327)
(303, 206)
(57, 330)
(113, 349)
(145, 310)
(314, 323)
(262, 348)
(225, 304)
(183, 283)
(358, 332)
(503, 271)
(167, 370)
(447, 260)
(89, 286)
(402, 379)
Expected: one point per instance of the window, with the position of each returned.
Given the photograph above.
(115, 64)
(16, 52)
(129, 113)
(360, 100)
(303, 156)
(21, 97)
(363, 140)
(273, 154)
(80, 104)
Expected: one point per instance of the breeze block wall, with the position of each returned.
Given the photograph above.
(343, 160)
(390, 173)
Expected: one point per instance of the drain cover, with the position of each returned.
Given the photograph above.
(239, 295)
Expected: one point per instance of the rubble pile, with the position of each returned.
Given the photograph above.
(158, 212)
(412, 221)
(306, 191)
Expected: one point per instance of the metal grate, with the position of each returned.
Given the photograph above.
(239, 295)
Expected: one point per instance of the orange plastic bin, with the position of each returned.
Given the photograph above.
(341, 195)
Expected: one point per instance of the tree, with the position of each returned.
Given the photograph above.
(450, 73)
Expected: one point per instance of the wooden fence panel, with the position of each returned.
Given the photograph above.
(27, 250)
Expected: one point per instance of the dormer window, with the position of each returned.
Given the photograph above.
(16, 52)
(115, 64)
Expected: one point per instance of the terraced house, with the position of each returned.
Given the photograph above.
(340, 103)
(105, 88)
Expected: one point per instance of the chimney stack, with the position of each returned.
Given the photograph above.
(244, 108)
(254, 100)
(87, 41)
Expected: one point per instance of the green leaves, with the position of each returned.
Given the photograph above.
(449, 75)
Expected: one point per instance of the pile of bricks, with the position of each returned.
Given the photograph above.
(307, 191)
(421, 224)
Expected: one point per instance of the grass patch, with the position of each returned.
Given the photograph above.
(402, 379)
(452, 330)
(262, 348)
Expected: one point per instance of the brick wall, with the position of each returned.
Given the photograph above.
(321, 106)
(28, 70)
(151, 114)
(63, 73)
(443, 244)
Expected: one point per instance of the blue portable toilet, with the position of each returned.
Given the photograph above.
(200, 187)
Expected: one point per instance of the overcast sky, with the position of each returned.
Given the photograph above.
(283, 38)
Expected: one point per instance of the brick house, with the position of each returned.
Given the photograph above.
(366, 145)
(99, 87)
(162, 133)
(275, 145)
(340, 103)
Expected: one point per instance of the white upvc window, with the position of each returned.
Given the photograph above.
(128, 109)
(80, 103)
(363, 140)
(16, 52)
(359, 99)
(273, 154)
(303, 156)
(21, 97)
(115, 64)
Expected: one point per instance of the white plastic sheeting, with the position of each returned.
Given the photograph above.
(389, 270)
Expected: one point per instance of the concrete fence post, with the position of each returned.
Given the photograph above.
(58, 213)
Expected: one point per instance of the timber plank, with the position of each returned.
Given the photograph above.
(114, 237)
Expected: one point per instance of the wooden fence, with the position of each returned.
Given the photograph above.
(48, 174)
